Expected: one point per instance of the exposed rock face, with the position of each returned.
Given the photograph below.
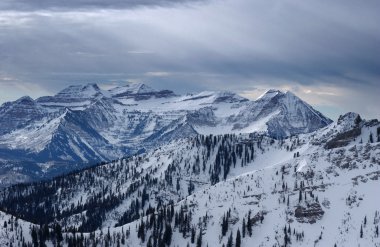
(309, 214)
(343, 139)
(350, 127)
(202, 117)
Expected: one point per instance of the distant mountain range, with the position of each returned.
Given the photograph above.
(83, 124)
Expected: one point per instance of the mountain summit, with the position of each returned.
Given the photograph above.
(139, 91)
(84, 124)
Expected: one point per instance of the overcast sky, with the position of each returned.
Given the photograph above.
(326, 52)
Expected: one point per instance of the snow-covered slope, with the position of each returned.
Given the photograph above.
(83, 124)
(314, 189)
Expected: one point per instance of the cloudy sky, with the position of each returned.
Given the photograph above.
(326, 52)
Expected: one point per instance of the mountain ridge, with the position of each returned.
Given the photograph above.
(109, 124)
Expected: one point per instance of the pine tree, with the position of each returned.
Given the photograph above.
(199, 240)
(286, 239)
(243, 227)
(58, 233)
(286, 236)
(224, 225)
(149, 244)
(300, 196)
(34, 237)
(238, 239)
(168, 235)
(193, 235)
(229, 242)
(249, 224)
(141, 231)
(361, 231)
(178, 186)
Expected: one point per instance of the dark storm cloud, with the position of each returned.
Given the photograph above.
(326, 51)
(67, 5)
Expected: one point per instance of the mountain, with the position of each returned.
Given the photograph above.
(284, 114)
(83, 124)
(309, 189)
(78, 96)
(139, 91)
(18, 114)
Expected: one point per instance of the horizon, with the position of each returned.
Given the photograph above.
(251, 96)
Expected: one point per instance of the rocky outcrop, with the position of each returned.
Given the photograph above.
(343, 139)
(309, 214)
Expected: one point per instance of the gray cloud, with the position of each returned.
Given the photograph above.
(67, 5)
(243, 45)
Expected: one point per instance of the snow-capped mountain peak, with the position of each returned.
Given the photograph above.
(132, 88)
(90, 90)
(25, 99)
(76, 96)
(139, 91)
(269, 94)
(228, 97)
(210, 97)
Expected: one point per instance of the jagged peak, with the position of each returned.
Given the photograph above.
(25, 99)
(139, 91)
(24, 102)
(351, 118)
(131, 88)
(275, 93)
(83, 87)
(216, 96)
(80, 91)
(223, 96)
(269, 94)
(141, 88)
